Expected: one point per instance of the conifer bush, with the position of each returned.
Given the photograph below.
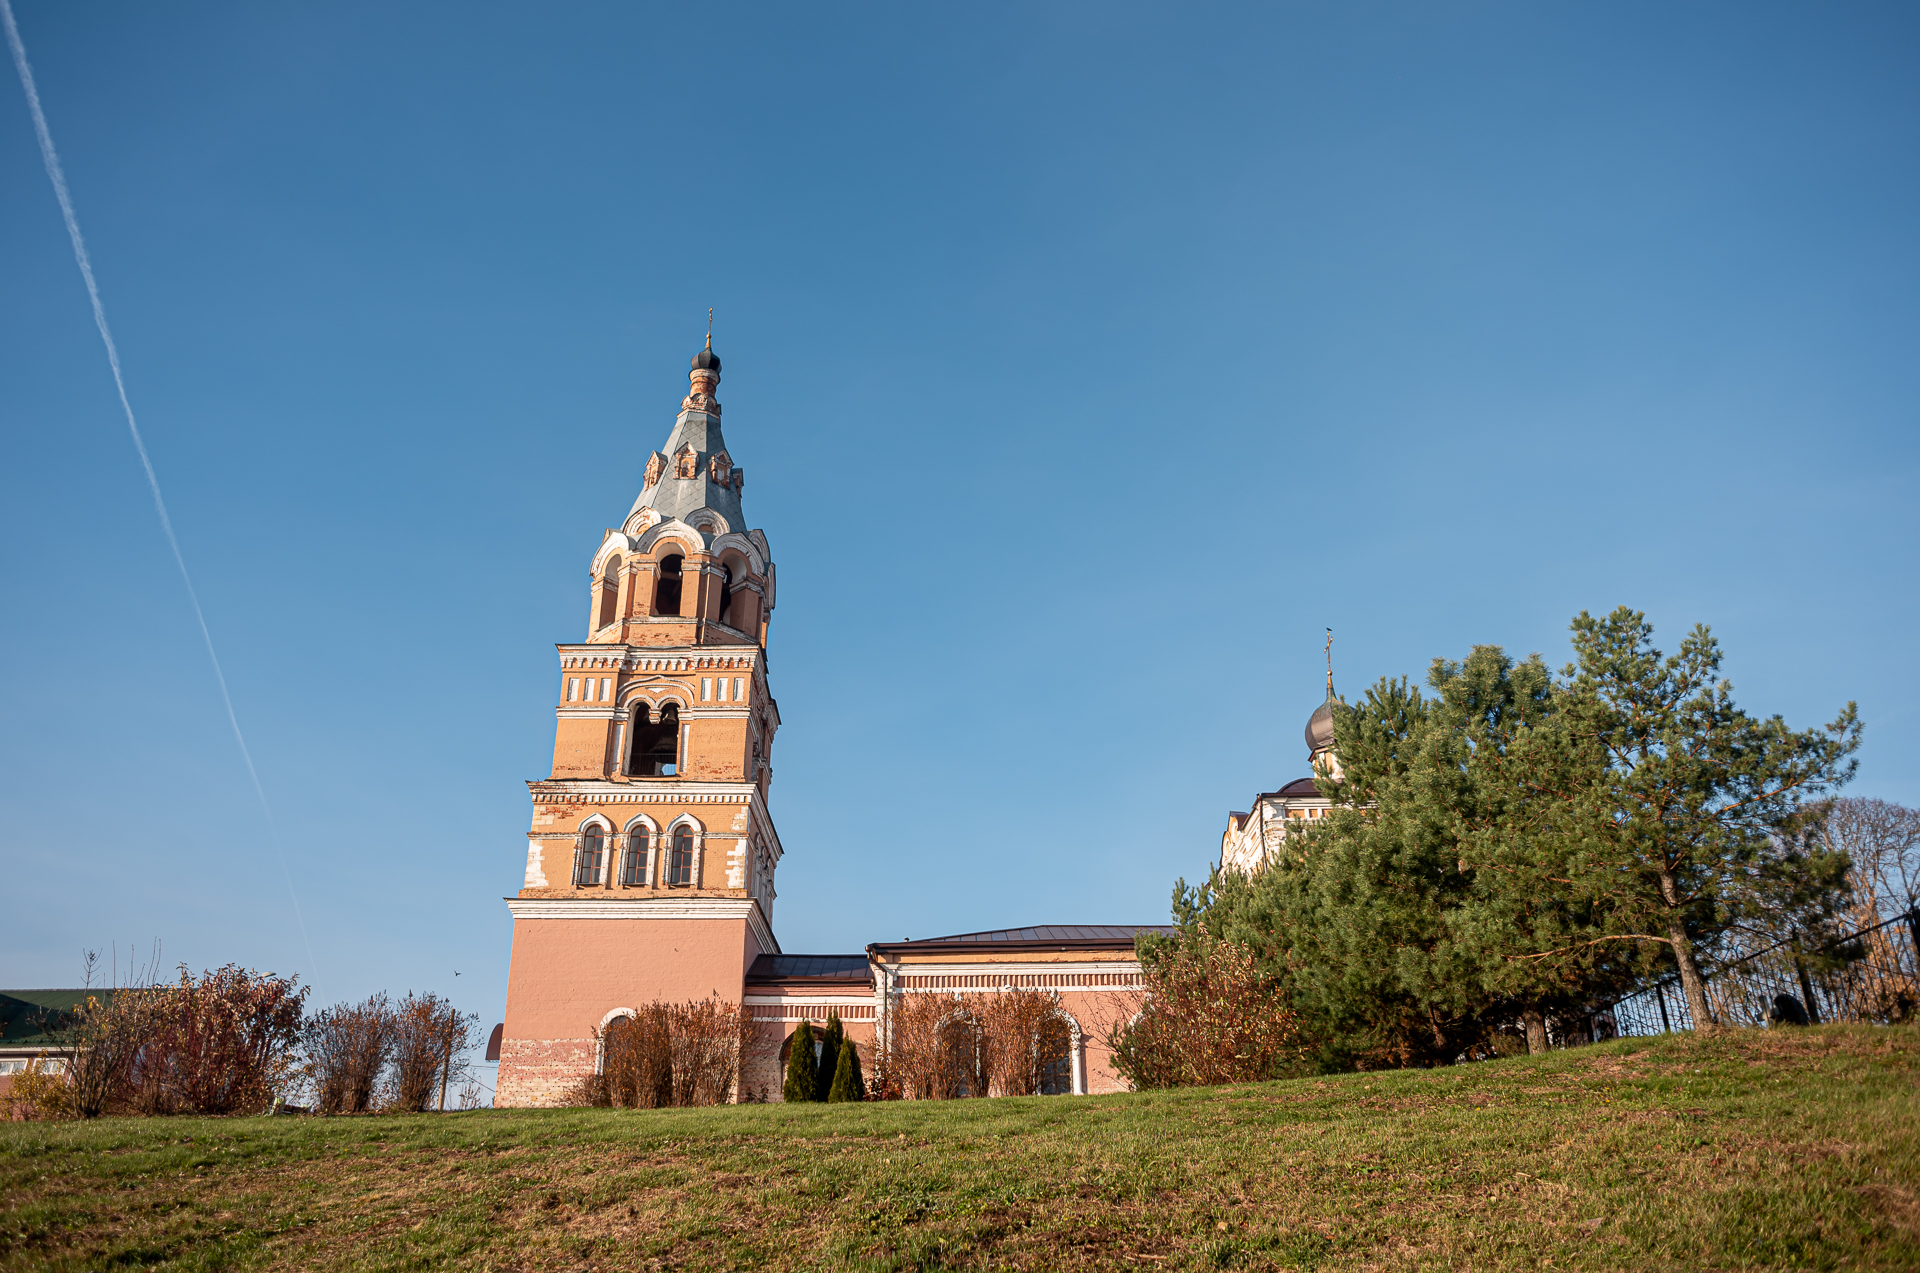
(830, 1039)
(848, 1084)
(801, 1077)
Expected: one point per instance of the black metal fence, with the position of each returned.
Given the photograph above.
(1869, 976)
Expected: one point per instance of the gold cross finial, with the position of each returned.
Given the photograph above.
(1329, 663)
(709, 327)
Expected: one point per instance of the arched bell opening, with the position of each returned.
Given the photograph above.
(609, 607)
(656, 742)
(726, 593)
(666, 592)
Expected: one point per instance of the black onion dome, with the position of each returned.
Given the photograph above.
(706, 360)
(1320, 728)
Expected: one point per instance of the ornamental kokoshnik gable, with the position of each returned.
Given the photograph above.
(652, 855)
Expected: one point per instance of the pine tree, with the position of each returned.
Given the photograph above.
(801, 1078)
(1521, 845)
(1351, 914)
(1421, 914)
(846, 1075)
(1510, 753)
(1684, 820)
(829, 1056)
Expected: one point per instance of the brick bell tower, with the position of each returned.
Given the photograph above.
(650, 863)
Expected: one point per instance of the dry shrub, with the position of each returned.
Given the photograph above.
(924, 1051)
(637, 1059)
(114, 1060)
(1026, 1038)
(347, 1046)
(222, 1043)
(709, 1038)
(669, 1054)
(427, 1052)
(95, 1065)
(40, 1092)
(1209, 1016)
(938, 1048)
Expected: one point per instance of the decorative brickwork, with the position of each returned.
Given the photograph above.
(542, 1072)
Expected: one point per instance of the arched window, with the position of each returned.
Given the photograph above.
(609, 592)
(680, 862)
(589, 859)
(726, 591)
(656, 744)
(666, 593)
(615, 1037)
(962, 1058)
(633, 864)
(1053, 1055)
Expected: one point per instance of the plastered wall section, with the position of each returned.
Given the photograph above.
(566, 975)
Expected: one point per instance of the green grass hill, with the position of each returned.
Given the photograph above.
(1784, 1149)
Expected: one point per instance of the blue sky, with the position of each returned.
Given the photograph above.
(1086, 362)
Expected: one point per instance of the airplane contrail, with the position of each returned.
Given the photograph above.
(51, 158)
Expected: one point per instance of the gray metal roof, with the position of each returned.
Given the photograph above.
(676, 497)
(1049, 933)
(813, 967)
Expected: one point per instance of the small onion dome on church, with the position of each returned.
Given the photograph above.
(1320, 728)
(707, 360)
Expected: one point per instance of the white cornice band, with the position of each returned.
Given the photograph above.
(798, 998)
(724, 908)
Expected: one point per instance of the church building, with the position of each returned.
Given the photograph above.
(1252, 839)
(652, 858)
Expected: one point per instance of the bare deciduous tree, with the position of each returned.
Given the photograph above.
(1209, 1015)
(347, 1046)
(429, 1046)
(1882, 841)
(670, 1054)
(935, 1047)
